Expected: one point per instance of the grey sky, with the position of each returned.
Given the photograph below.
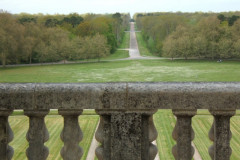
(112, 6)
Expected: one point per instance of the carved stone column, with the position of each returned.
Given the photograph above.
(126, 135)
(183, 134)
(220, 134)
(37, 135)
(71, 135)
(6, 136)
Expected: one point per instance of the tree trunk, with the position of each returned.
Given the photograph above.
(3, 60)
(30, 59)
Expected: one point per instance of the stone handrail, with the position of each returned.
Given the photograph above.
(126, 130)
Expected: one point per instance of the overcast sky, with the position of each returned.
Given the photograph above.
(112, 6)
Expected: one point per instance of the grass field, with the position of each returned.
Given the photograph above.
(164, 122)
(119, 54)
(142, 45)
(118, 71)
(125, 42)
(54, 123)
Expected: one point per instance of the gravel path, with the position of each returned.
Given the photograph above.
(133, 50)
(93, 146)
(196, 155)
(157, 156)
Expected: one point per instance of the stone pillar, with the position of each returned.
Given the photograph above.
(6, 136)
(37, 135)
(126, 135)
(71, 135)
(220, 134)
(183, 134)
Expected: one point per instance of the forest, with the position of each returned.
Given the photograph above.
(191, 35)
(39, 38)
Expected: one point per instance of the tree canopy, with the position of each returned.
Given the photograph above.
(27, 38)
(202, 35)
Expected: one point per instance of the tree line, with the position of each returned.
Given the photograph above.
(26, 38)
(201, 35)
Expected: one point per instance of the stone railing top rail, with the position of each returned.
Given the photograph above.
(120, 96)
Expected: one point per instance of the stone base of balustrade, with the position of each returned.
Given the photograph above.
(126, 135)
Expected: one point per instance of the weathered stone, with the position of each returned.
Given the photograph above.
(126, 115)
(6, 136)
(183, 134)
(220, 134)
(126, 135)
(71, 135)
(128, 96)
(37, 135)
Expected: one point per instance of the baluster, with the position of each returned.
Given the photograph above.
(99, 135)
(6, 136)
(152, 136)
(220, 134)
(126, 135)
(71, 135)
(183, 134)
(37, 135)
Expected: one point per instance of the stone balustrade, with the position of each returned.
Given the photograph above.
(126, 130)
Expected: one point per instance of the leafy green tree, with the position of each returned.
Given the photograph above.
(117, 26)
(170, 48)
(28, 20)
(199, 45)
(236, 47)
(232, 19)
(43, 53)
(225, 48)
(10, 34)
(221, 17)
(51, 22)
(60, 44)
(100, 46)
(84, 29)
(74, 20)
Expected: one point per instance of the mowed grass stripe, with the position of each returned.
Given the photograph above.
(89, 132)
(235, 141)
(201, 126)
(125, 42)
(19, 125)
(165, 122)
(54, 124)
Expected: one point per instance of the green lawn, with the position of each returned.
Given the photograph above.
(125, 42)
(142, 46)
(118, 71)
(54, 123)
(164, 122)
(118, 54)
